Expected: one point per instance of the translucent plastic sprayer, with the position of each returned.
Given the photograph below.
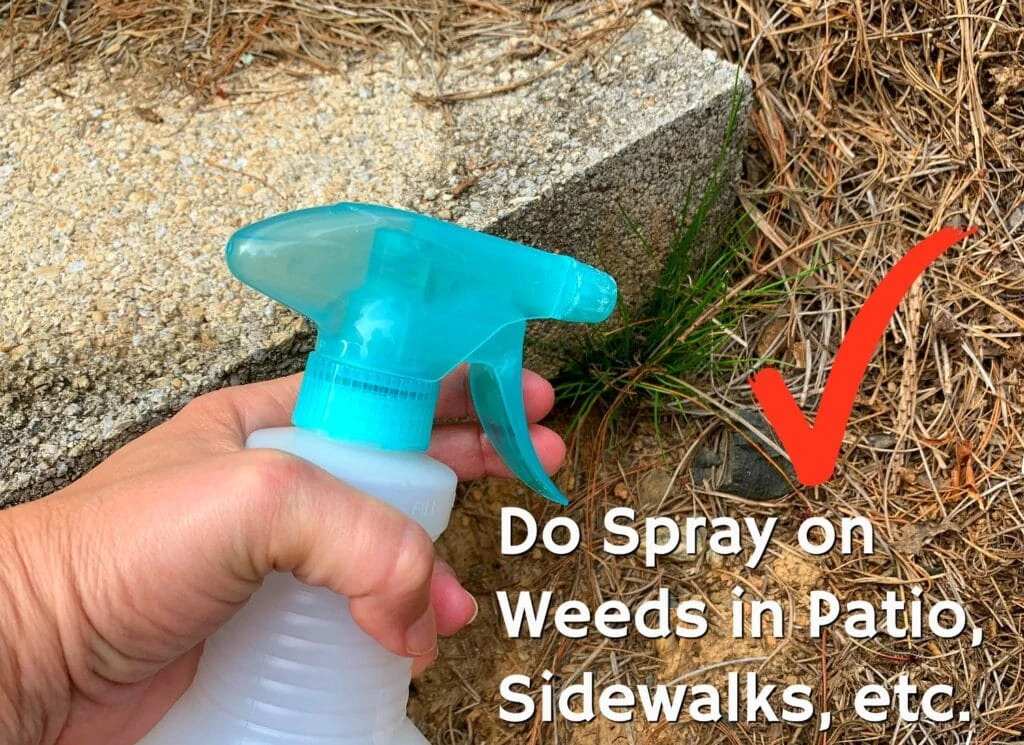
(399, 300)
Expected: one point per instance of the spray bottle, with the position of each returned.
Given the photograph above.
(398, 300)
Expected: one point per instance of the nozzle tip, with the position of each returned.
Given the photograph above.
(593, 298)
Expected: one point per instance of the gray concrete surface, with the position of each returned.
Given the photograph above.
(116, 201)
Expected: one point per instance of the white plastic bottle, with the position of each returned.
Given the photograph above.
(292, 666)
(399, 301)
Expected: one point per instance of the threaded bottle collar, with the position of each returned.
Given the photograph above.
(349, 403)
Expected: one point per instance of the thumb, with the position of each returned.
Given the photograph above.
(156, 565)
(297, 518)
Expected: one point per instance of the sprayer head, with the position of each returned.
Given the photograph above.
(399, 300)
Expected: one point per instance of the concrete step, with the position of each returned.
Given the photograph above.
(116, 200)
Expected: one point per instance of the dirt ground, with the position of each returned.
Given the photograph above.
(458, 699)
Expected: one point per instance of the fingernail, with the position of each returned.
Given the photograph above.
(421, 637)
(476, 608)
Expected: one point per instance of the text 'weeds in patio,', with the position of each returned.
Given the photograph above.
(905, 614)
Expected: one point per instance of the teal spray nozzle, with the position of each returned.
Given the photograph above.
(399, 300)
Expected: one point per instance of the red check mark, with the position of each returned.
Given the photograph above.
(814, 450)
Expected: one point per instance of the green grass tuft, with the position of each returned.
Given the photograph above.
(662, 356)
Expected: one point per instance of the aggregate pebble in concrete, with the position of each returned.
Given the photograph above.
(116, 200)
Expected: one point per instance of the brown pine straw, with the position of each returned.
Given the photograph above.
(201, 43)
(875, 123)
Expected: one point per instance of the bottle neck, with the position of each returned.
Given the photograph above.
(352, 404)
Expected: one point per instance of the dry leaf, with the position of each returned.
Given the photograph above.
(963, 469)
(800, 351)
(945, 325)
(913, 537)
(769, 336)
(146, 113)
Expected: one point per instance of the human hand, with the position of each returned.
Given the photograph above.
(110, 586)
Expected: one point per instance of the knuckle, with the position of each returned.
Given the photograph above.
(412, 561)
(266, 482)
(268, 475)
(214, 407)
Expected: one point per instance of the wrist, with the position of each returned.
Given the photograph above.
(34, 687)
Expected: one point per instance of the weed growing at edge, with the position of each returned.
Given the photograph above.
(661, 357)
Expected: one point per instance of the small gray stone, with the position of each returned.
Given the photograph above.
(741, 468)
(706, 459)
